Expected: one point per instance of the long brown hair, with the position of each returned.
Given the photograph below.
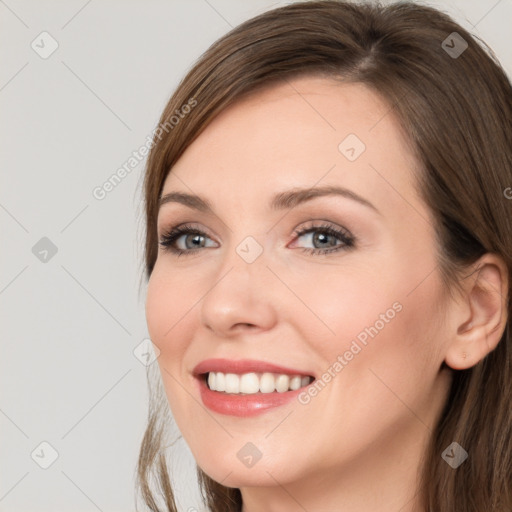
(456, 111)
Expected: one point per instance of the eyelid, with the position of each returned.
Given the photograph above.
(326, 225)
(188, 225)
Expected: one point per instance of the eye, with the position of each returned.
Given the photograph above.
(193, 239)
(324, 236)
(186, 239)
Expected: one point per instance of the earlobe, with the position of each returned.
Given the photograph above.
(481, 315)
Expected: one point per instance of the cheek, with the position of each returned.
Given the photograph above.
(167, 303)
(340, 304)
(158, 307)
(381, 321)
(168, 317)
(397, 341)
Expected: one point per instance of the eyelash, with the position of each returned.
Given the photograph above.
(167, 240)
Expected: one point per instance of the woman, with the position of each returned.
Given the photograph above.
(328, 254)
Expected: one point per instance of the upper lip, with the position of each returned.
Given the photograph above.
(240, 366)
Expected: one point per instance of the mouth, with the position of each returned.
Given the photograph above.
(246, 387)
(254, 383)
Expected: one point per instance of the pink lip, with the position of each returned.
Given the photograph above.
(238, 404)
(243, 366)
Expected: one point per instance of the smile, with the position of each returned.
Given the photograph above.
(252, 383)
(246, 388)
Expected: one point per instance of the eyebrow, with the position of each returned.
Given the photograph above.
(283, 200)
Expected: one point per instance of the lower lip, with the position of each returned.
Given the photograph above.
(243, 405)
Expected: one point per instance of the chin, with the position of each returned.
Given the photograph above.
(230, 471)
(243, 477)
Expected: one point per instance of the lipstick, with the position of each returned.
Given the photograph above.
(280, 385)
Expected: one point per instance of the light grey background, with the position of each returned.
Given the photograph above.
(70, 325)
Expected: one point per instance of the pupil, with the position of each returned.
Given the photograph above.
(196, 239)
(322, 237)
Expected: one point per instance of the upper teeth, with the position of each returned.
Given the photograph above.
(255, 382)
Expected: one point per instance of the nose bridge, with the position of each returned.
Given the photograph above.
(246, 263)
(251, 245)
(250, 250)
(240, 293)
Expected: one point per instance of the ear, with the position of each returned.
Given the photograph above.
(480, 316)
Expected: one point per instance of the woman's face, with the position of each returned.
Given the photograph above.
(354, 301)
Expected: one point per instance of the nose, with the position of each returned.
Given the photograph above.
(242, 298)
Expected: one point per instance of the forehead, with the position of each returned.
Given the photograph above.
(299, 133)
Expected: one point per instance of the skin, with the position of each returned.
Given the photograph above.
(356, 446)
